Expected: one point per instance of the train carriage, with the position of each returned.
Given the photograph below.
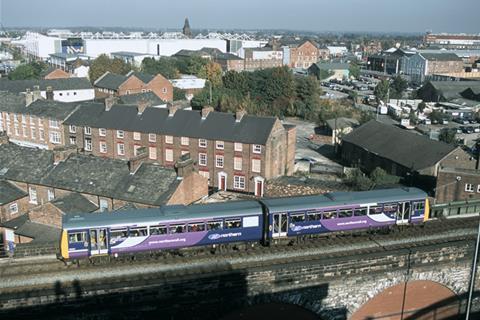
(341, 211)
(168, 227)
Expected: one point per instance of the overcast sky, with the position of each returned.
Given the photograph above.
(314, 15)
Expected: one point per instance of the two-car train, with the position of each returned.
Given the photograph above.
(264, 220)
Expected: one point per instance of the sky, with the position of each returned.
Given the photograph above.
(308, 15)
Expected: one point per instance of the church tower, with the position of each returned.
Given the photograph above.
(186, 29)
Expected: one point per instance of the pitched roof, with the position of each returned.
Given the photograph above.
(342, 123)
(405, 148)
(37, 231)
(110, 81)
(135, 99)
(144, 77)
(441, 56)
(453, 89)
(9, 192)
(74, 202)
(17, 86)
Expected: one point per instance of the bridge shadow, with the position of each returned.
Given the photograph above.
(212, 294)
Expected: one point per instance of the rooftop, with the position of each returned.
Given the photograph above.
(74, 202)
(9, 192)
(17, 86)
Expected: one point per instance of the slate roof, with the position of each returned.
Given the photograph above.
(74, 202)
(24, 164)
(40, 233)
(146, 78)
(134, 99)
(17, 86)
(453, 89)
(86, 114)
(110, 81)
(441, 56)
(342, 123)
(9, 192)
(405, 148)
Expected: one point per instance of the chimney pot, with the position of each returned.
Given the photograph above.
(239, 115)
(172, 109)
(109, 102)
(142, 105)
(135, 162)
(205, 111)
(61, 153)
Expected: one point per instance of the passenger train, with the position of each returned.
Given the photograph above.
(263, 221)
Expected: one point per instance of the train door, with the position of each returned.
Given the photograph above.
(280, 224)
(98, 241)
(404, 212)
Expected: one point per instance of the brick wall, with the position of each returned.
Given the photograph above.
(46, 214)
(161, 87)
(5, 212)
(191, 188)
(457, 185)
(304, 55)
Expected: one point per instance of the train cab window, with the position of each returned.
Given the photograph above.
(345, 213)
(361, 212)
(196, 227)
(138, 232)
(314, 216)
(232, 224)
(375, 210)
(158, 230)
(390, 208)
(329, 214)
(179, 228)
(419, 206)
(77, 237)
(297, 217)
(214, 225)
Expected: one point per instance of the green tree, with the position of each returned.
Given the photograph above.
(421, 106)
(381, 90)
(354, 70)
(212, 72)
(397, 87)
(358, 181)
(366, 116)
(32, 70)
(166, 66)
(447, 136)
(103, 64)
(178, 94)
(436, 116)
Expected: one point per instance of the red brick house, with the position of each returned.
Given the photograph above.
(304, 55)
(132, 83)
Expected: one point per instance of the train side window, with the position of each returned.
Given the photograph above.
(138, 232)
(158, 230)
(118, 233)
(178, 228)
(345, 213)
(419, 205)
(196, 227)
(233, 224)
(375, 210)
(297, 217)
(329, 214)
(390, 208)
(314, 216)
(77, 237)
(214, 225)
(361, 212)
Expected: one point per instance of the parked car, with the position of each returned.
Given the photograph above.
(444, 121)
(476, 129)
(470, 130)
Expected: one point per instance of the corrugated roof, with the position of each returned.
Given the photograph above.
(408, 149)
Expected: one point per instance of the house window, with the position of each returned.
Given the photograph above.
(103, 205)
(202, 143)
(135, 149)
(202, 159)
(72, 129)
(219, 161)
(16, 129)
(164, 90)
(24, 130)
(33, 132)
(257, 148)
(468, 187)
(184, 141)
(32, 193)
(102, 132)
(238, 146)
(152, 153)
(13, 208)
(239, 182)
(168, 155)
(137, 136)
(169, 139)
(220, 145)
(53, 123)
(204, 174)
(88, 130)
(120, 149)
(103, 147)
(120, 134)
(256, 165)
(15, 118)
(152, 137)
(237, 163)
(50, 194)
(88, 144)
(41, 134)
(73, 140)
(40, 122)
(55, 137)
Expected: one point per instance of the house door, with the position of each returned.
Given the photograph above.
(280, 224)
(404, 211)
(222, 181)
(98, 241)
(259, 189)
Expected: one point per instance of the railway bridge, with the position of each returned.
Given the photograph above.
(420, 272)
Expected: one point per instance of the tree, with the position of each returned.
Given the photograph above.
(178, 94)
(436, 116)
(381, 90)
(212, 72)
(398, 86)
(366, 116)
(166, 66)
(32, 70)
(354, 70)
(103, 64)
(358, 181)
(447, 136)
(421, 106)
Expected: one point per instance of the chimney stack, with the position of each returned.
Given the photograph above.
(36, 93)
(184, 166)
(109, 102)
(239, 115)
(205, 111)
(61, 153)
(172, 109)
(142, 105)
(28, 97)
(136, 162)
(49, 93)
